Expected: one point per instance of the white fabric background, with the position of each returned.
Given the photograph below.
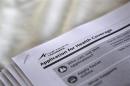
(27, 23)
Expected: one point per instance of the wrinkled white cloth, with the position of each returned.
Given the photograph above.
(27, 23)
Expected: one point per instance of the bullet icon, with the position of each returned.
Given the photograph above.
(62, 69)
(72, 79)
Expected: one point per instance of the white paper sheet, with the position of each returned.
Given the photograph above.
(75, 58)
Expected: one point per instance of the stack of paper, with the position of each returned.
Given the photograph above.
(93, 54)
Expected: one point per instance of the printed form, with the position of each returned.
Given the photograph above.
(93, 54)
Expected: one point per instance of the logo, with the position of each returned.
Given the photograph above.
(53, 52)
(43, 55)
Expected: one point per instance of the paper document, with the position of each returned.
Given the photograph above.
(93, 54)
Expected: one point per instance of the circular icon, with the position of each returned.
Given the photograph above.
(72, 79)
(62, 69)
